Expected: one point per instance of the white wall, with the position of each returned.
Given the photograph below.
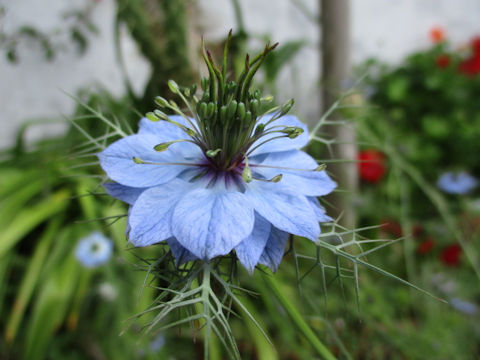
(387, 29)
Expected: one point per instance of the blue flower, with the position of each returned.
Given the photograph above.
(203, 212)
(94, 250)
(463, 306)
(457, 182)
(225, 178)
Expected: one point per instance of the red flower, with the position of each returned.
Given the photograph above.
(437, 34)
(450, 255)
(392, 227)
(475, 44)
(371, 165)
(417, 230)
(426, 246)
(442, 61)
(471, 65)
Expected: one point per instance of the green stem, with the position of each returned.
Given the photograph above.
(206, 309)
(298, 319)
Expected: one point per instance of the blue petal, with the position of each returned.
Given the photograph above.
(251, 248)
(211, 222)
(319, 210)
(117, 161)
(287, 211)
(273, 254)
(125, 193)
(181, 254)
(311, 183)
(150, 216)
(284, 143)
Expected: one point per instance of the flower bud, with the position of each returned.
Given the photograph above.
(232, 109)
(160, 101)
(162, 146)
(210, 110)
(151, 116)
(241, 111)
(276, 178)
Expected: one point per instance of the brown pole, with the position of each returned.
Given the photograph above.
(336, 66)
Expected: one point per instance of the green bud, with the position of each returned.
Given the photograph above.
(286, 107)
(248, 117)
(210, 110)
(259, 129)
(223, 112)
(241, 111)
(161, 115)
(151, 116)
(173, 86)
(255, 106)
(276, 178)
(292, 131)
(213, 153)
(232, 109)
(162, 146)
(321, 167)
(247, 174)
(202, 110)
(137, 160)
(204, 84)
(160, 101)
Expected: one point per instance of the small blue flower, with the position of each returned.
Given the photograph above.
(463, 306)
(94, 250)
(457, 182)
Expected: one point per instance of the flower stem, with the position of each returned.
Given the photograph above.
(298, 319)
(206, 309)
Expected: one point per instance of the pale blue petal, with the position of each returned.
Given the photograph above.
(311, 183)
(181, 254)
(319, 210)
(273, 253)
(287, 211)
(150, 216)
(211, 222)
(284, 143)
(125, 193)
(117, 161)
(165, 132)
(251, 248)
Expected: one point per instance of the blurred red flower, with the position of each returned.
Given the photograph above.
(426, 246)
(450, 255)
(371, 165)
(475, 44)
(470, 66)
(442, 61)
(392, 227)
(437, 34)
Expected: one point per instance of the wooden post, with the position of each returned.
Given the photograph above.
(336, 66)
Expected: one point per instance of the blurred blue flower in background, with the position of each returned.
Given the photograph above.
(457, 182)
(463, 306)
(204, 208)
(94, 250)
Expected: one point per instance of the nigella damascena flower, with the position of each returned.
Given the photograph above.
(94, 250)
(225, 178)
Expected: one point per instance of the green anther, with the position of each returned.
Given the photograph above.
(162, 147)
(213, 153)
(241, 111)
(321, 167)
(276, 178)
(210, 110)
(267, 99)
(137, 160)
(232, 109)
(173, 86)
(259, 129)
(160, 101)
(151, 116)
